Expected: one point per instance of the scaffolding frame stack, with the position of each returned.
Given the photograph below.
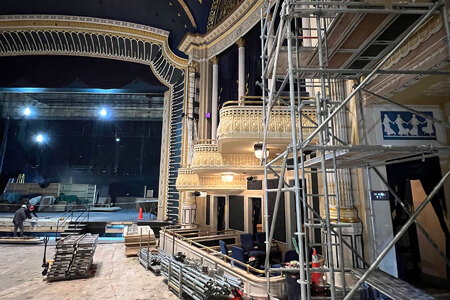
(289, 40)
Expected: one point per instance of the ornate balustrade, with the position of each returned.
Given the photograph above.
(207, 158)
(189, 181)
(237, 122)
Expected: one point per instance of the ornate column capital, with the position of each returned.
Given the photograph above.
(214, 60)
(240, 42)
(193, 66)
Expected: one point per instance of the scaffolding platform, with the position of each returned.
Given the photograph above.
(362, 156)
(392, 287)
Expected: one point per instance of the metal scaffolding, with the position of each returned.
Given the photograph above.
(292, 31)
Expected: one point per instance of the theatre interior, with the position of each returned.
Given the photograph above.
(225, 149)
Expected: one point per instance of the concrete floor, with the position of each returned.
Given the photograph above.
(117, 277)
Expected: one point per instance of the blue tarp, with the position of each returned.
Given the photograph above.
(10, 197)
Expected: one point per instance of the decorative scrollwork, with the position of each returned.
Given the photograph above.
(94, 37)
(219, 10)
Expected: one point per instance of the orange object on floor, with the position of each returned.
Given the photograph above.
(140, 214)
(315, 276)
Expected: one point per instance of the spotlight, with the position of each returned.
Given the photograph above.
(40, 138)
(27, 111)
(117, 139)
(250, 178)
(104, 113)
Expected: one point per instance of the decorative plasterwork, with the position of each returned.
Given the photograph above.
(189, 181)
(424, 50)
(226, 33)
(101, 38)
(246, 121)
(208, 158)
(96, 28)
(219, 11)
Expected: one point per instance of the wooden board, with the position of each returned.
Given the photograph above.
(21, 240)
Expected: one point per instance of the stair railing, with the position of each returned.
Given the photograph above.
(69, 214)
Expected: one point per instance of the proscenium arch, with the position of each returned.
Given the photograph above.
(102, 38)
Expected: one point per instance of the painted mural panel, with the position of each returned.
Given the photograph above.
(405, 125)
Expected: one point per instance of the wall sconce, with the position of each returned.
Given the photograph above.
(227, 177)
(199, 194)
(259, 150)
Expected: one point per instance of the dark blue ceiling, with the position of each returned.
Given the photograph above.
(164, 14)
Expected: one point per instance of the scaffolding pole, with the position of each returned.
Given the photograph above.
(329, 104)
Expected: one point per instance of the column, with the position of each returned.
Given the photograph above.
(348, 213)
(190, 112)
(188, 209)
(215, 97)
(241, 71)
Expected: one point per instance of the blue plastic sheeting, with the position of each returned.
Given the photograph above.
(10, 197)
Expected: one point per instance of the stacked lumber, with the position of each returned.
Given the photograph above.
(73, 257)
(136, 237)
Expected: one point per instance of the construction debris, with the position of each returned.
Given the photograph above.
(136, 237)
(73, 257)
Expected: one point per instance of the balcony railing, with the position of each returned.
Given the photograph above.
(243, 119)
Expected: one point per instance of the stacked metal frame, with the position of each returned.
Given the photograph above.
(331, 152)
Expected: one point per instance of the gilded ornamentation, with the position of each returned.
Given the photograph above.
(225, 34)
(240, 42)
(189, 181)
(433, 57)
(215, 60)
(94, 29)
(219, 10)
(84, 36)
(246, 121)
(207, 157)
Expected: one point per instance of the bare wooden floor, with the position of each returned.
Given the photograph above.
(117, 277)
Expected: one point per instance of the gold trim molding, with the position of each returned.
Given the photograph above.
(189, 181)
(92, 25)
(226, 33)
(246, 121)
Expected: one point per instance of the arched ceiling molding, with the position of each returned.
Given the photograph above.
(102, 38)
(71, 30)
(224, 34)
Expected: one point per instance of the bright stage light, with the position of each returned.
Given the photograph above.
(40, 138)
(26, 111)
(104, 113)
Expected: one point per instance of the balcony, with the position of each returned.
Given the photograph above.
(208, 159)
(241, 126)
(188, 180)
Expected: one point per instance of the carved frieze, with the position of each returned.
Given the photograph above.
(189, 181)
(246, 121)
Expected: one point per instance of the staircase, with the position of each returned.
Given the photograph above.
(76, 219)
(74, 228)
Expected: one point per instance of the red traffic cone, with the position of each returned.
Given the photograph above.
(315, 276)
(140, 214)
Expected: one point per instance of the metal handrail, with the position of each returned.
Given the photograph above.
(213, 251)
(71, 212)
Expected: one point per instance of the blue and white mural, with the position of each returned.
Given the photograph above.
(405, 125)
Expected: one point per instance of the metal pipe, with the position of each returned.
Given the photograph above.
(408, 108)
(330, 258)
(397, 237)
(403, 206)
(300, 231)
(446, 26)
(275, 212)
(369, 77)
(368, 71)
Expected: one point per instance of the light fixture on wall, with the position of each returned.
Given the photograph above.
(227, 177)
(259, 150)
